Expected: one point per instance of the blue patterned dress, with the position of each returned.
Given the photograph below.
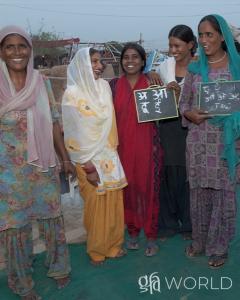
(25, 192)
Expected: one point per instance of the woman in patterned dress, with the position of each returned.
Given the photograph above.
(29, 183)
(212, 190)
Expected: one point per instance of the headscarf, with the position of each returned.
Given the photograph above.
(87, 109)
(33, 98)
(201, 65)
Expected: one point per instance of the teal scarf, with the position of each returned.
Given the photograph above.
(231, 133)
(201, 65)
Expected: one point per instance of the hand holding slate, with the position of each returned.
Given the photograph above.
(197, 116)
(176, 87)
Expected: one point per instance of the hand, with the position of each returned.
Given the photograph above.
(89, 167)
(69, 169)
(91, 172)
(93, 178)
(196, 116)
(154, 78)
(173, 85)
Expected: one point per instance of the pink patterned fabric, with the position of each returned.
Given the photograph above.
(33, 98)
(205, 167)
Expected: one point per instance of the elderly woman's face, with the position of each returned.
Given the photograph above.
(15, 51)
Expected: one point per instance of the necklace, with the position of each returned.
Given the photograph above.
(218, 60)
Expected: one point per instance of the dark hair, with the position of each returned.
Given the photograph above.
(211, 19)
(140, 50)
(92, 51)
(237, 45)
(185, 34)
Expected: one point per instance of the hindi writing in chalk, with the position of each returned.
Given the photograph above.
(220, 97)
(155, 104)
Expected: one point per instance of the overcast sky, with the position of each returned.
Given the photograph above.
(121, 20)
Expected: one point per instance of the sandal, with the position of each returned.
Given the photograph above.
(151, 249)
(187, 235)
(122, 252)
(62, 282)
(191, 252)
(32, 295)
(132, 244)
(217, 261)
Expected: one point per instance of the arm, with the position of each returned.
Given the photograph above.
(154, 78)
(196, 116)
(60, 149)
(68, 167)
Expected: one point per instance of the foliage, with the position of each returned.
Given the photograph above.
(51, 54)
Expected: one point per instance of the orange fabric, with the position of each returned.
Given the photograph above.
(103, 219)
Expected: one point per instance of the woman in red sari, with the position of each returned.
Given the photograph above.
(139, 150)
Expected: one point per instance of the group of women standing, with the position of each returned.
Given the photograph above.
(154, 177)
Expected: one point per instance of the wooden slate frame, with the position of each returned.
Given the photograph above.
(221, 83)
(154, 116)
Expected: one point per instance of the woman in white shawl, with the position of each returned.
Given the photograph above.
(91, 139)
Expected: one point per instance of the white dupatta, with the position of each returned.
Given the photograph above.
(87, 110)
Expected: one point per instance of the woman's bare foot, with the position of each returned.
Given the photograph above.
(96, 263)
(151, 248)
(62, 282)
(32, 295)
(217, 261)
(122, 252)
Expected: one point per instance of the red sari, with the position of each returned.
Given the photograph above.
(141, 157)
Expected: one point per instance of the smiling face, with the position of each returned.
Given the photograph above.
(15, 51)
(179, 49)
(132, 62)
(97, 66)
(210, 39)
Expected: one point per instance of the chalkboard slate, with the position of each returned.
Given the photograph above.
(155, 104)
(220, 97)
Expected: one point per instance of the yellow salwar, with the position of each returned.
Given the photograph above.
(103, 219)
